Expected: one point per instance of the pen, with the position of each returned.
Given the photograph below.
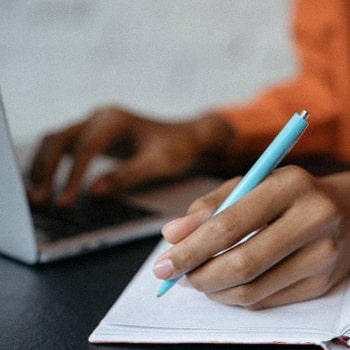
(266, 163)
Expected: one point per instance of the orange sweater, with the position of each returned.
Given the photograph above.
(322, 35)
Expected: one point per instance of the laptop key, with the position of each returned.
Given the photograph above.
(87, 214)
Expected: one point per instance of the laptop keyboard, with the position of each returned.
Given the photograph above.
(87, 214)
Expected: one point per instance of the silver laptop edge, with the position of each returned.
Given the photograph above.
(17, 236)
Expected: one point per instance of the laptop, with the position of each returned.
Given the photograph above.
(42, 234)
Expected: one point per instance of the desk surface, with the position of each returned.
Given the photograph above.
(57, 306)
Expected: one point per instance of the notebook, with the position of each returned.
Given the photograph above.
(184, 315)
(42, 234)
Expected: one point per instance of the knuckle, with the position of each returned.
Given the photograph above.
(224, 231)
(212, 200)
(197, 284)
(322, 285)
(202, 203)
(223, 225)
(243, 267)
(330, 250)
(110, 115)
(246, 295)
(326, 216)
(324, 206)
(328, 209)
(186, 258)
(300, 176)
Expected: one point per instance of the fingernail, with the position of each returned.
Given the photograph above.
(171, 226)
(164, 269)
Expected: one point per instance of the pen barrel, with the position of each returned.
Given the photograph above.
(268, 161)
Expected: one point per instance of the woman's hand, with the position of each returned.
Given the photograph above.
(149, 149)
(301, 251)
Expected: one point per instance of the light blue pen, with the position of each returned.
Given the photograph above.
(267, 162)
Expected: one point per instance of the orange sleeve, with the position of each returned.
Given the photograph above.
(321, 32)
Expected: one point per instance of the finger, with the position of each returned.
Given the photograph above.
(198, 213)
(221, 232)
(99, 132)
(264, 205)
(316, 259)
(307, 289)
(249, 260)
(176, 230)
(212, 200)
(310, 219)
(46, 161)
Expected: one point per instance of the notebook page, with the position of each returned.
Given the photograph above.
(344, 320)
(185, 315)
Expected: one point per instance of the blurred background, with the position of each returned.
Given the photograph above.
(169, 59)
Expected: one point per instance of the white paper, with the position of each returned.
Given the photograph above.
(184, 315)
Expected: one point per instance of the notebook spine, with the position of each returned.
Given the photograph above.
(342, 340)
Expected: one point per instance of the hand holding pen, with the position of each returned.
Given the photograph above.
(292, 257)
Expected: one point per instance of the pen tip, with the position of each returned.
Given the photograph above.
(159, 295)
